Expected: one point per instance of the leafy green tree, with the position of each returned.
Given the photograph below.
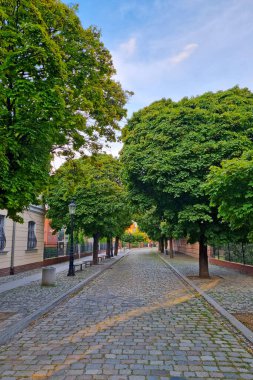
(230, 188)
(95, 185)
(57, 94)
(150, 222)
(127, 237)
(166, 227)
(123, 222)
(169, 148)
(134, 237)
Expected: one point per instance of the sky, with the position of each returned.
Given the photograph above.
(174, 48)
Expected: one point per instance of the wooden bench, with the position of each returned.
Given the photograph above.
(88, 263)
(78, 265)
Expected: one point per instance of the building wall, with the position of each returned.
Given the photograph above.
(49, 238)
(181, 245)
(22, 255)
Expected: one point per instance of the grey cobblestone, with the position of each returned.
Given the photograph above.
(137, 321)
(24, 300)
(18, 276)
(230, 288)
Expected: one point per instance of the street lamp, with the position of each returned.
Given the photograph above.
(72, 210)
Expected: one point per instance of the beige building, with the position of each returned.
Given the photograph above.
(21, 245)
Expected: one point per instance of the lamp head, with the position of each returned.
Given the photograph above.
(72, 208)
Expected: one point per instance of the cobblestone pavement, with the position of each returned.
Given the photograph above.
(22, 275)
(231, 289)
(137, 321)
(18, 276)
(24, 300)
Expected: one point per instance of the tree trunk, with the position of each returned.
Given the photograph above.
(162, 245)
(165, 243)
(108, 247)
(203, 258)
(95, 248)
(111, 247)
(116, 246)
(171, 248)
(159, 245)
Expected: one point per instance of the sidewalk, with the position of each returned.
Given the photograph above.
(229, 288)
(24, 299)
(24, 278)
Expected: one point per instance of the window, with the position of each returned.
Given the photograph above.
(2, 233)
(32, 240)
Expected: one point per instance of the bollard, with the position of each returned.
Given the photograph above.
(48, 276)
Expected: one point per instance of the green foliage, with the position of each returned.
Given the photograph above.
(127, 237)
(57, 94)
(170, 146)
(95, 185)
(134, 237)
(150, 222)
(230, 188)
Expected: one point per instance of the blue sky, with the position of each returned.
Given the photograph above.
(175, 48)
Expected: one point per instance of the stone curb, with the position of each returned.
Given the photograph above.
(247, 333)
(19, 326)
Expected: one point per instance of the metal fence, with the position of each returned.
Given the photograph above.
(86, 247)
(239, 253)
(59, 249)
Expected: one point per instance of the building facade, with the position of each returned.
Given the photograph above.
(49, 237)
(21, 245)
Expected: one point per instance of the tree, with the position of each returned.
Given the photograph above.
(95, 185)
(57, 94)
(230, 188)
(149, 221)
(169, 148)
(123, 222)
(127, 237)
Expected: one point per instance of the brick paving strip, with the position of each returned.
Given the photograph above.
(138, 321)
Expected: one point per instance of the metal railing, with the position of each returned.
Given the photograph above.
(61, 249)
(236, 252)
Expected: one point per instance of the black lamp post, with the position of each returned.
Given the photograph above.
(72, 209)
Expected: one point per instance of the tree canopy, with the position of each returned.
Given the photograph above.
(169, 148)
(101, 200)
(230, 188)
(57, 94)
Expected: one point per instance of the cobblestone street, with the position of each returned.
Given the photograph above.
(137, 321)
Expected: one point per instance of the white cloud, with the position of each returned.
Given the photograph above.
(128, 48)
(135, 72)
(184, 54)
